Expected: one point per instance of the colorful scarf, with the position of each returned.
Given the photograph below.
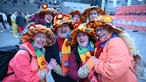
(100, 44)
(48, 25)
(40, 57)
(84, 51)
(65, 50)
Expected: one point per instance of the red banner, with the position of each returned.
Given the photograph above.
(130, 10)
(131, 17)
(131, 22)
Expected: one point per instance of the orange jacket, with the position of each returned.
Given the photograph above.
(20, 64)
(114, 62)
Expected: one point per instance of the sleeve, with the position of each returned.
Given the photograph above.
(16, 20)
(73, 67)
(48, 53)
(58, 70)
(32, 19)
(22, 68)
(25, 19)
(115, 59)
(85, 70)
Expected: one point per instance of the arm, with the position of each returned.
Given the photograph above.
(115, 60)
(52, 52)
(32, 19)
(22, 68)
(16, 20)
(73, 67)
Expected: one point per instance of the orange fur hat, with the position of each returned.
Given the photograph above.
(34, 29)
(81, 28)
(73, 12)
(103, 20)
(45, 9)
(87, 11)
(61, 19)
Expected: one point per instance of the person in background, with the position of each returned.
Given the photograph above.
(21, 22)
(114, 51)
(14, 2)
(3, 19)
(14, 25)
(82, 58)
(5, 1)
(29, 64)
(77, 16)
(45, 16)
(92, 13)
(61, 50)
(9, 20)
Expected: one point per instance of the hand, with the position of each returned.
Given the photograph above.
(94, 58)
(91, 62)
(52, 64)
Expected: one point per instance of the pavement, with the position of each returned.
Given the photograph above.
(7, 38)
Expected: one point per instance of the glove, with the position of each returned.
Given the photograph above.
(58, 70)
(85, 70)
(91, 62)
(42, 73)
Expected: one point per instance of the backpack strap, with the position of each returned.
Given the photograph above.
(30, 56)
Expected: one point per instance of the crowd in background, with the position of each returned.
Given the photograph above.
(13, 20)
(73, 47)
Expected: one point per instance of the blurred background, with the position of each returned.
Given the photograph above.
(31, 6)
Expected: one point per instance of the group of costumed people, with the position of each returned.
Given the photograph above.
(73, 47)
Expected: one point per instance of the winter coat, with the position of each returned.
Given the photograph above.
(20, 20)
(53, 52)
(1, 18)
(24, 70)
(75, 64)
(114, 62)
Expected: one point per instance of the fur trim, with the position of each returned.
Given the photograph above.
(61, 19)
(34, 29)
(130, 43)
